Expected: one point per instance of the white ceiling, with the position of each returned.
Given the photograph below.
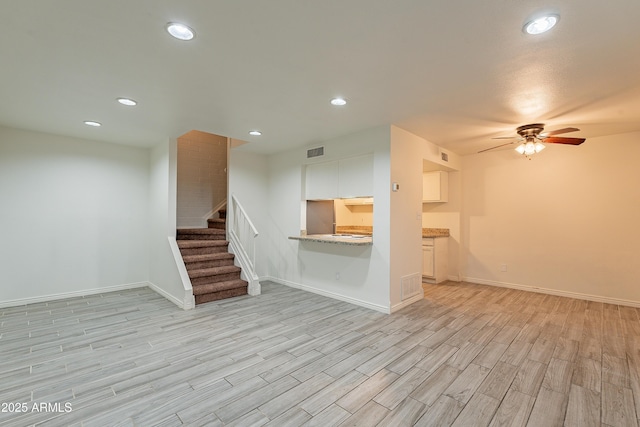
(454, 72)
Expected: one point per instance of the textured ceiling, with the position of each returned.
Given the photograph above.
(456, 73)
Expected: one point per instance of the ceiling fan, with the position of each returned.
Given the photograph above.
(533, 139)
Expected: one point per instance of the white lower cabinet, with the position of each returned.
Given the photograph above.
(428, 269)
(435, 259)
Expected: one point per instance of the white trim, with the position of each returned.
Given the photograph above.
(328, 294)
(214, 210)
(95, 291)
(246, 272)
(455, 278)
(189, 301)
(200, 222)
(568, 294)
(245, 260)
(184, 304)
(73, 294)
(407, 302)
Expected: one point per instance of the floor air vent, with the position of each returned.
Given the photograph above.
(411, 285)
(315, 152)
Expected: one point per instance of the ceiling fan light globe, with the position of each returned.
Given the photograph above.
(529, 148)
(539, 147)
(520, 149)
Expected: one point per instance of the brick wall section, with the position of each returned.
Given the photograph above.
(202, 178)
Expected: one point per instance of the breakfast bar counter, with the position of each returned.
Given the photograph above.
(339, 239)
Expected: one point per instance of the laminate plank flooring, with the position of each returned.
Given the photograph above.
(465, 355)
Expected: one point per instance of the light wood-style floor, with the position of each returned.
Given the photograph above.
(466, 355)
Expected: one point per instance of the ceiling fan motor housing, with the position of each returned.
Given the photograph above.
(528, 131)
(533, 137)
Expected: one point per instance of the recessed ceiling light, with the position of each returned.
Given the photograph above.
(541, 25)
(338, 101)
(180, 31)
(128, 102)
(255, 133)
(92, 123)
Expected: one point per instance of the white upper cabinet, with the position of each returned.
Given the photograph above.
(346, 178)
(359, 201)
(322, 181)
(435, 187)
(356, 177)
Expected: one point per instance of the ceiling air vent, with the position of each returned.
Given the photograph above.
(444, 156)
(315, 152)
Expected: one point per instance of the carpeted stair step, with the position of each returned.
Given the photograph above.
(199, 247)
(209, 264)
(219, 286)
(201, 299)
(216, 274)
(201, 234)
(196, 262)
(220, 224)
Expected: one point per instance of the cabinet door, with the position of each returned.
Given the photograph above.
(427, 261)
(441, 259)
(356, 177)
(321, 181)
(435, 186)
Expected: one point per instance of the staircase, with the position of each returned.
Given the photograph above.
(209, 264)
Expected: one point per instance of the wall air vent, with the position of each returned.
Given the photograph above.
(410, 286)
(444, 156)
(315, 152)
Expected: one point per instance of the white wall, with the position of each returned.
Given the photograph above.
(74, 216)
(248, 181)
(167, 273)
(364, 271)
(202, 177)
(360, 215)
(566, 221)
(447, 215)
(406, 210)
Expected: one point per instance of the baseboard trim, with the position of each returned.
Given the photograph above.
(74, 294)
(568, 294)
(183, 304)
(328, 294)
(189, 301)
(407, 302)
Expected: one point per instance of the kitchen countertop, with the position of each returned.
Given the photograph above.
(364, 230)
(435, 232)
(336, 239)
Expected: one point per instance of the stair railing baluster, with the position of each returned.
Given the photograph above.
(243, 234)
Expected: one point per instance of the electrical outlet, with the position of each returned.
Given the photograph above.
(503, 267)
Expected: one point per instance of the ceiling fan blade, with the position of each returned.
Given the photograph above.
(505, 137)
(563, 140)
(558, 132)
(497, 146)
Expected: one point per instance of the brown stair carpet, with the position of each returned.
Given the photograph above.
(209, 264)
(201, 234)
(217, 223)
(220, 222)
